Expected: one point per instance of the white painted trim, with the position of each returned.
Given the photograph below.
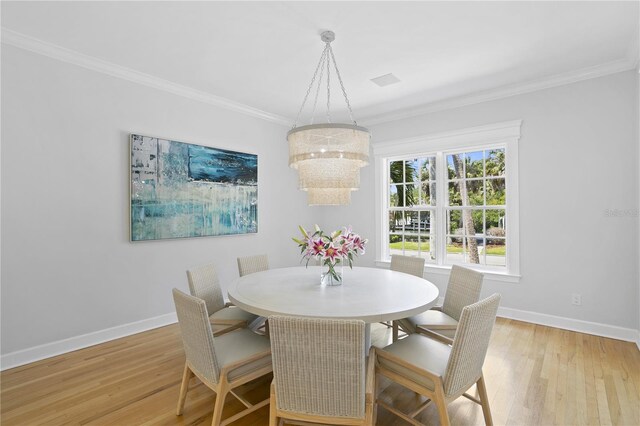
(505, 133)
(588, 327)
(37, 353)
(430, 268)
(570, 77)
(60, 53)
(486, 135)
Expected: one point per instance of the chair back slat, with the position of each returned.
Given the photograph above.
(204, 284)
(470, 345)
(408, 264)
(319, 365)
(463, 290)
(251, 264)
(197, 337)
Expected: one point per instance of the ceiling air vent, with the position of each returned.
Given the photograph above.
(386, 80)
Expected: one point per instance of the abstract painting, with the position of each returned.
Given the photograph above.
(181, 190)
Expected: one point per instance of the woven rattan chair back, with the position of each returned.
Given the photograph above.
(319, 366)
(463, 290)
(196, 333)
(408, 264)
(251, 264)
(204, 284)
(470, 345)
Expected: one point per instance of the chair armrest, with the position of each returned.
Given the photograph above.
(434, 335)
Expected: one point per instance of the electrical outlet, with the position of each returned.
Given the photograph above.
(576, 299)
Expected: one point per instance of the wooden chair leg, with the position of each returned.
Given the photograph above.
(441, 404)
(184, 387)
(395, 330)
(273, 419)
(219, 406)
(482, 393)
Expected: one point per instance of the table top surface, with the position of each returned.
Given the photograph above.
(368, 294)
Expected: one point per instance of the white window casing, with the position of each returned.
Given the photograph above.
(506, 134)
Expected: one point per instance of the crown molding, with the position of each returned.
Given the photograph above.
(41, 47)
(22, 41)
(575, 76)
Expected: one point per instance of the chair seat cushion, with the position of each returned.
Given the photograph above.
(231, 314)
(238, 345)
(432, 319)
(424, 353)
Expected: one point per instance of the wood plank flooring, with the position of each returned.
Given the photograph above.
(535, 375)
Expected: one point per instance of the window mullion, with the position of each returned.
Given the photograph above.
(440, 213)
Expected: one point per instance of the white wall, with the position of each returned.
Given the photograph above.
(68, 267)
(578, 157)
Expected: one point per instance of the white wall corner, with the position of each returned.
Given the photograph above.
(48, 350)
(580, 326)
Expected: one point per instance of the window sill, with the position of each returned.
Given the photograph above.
(446, 270)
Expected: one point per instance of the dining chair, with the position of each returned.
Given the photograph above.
(320, 374)
(441, 322)
(412, 265)
(204, 284)
(441, 372)
(222, 363)
(251, 264)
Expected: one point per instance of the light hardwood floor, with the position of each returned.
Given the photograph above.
(535, 375)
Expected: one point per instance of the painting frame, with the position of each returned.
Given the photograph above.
(183, 190)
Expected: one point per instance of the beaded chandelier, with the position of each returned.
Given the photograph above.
(328, 156)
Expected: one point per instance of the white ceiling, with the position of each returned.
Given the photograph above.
(263, 54)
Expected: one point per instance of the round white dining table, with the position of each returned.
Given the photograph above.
(368, 294)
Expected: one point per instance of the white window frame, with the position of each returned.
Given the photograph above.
(506, 134)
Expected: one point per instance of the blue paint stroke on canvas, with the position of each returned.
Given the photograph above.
(180, 190)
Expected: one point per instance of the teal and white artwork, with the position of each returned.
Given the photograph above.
(181, 190)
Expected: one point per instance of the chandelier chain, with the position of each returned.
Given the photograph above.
(304, 101)
(315, 100)
(344, 91)
(328, 84)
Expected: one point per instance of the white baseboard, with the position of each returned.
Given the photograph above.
(37, 353)
(598, 329)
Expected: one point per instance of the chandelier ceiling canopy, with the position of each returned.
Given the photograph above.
(328, 156)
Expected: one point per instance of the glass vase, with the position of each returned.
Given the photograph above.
(332, 277)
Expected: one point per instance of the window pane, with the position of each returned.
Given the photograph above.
(426, 223)
(427, 249)
(411, 245)
(473, 164)
(455, 199)
(428, 169)
(412, 169)
(394, 200)
(455, 250)
(428, 193)
(395, 244)
(454, 222)
(396, 221)
(411, 194)
(495, 219)
(494, 163)
(411, 222)
(396, 172)
(496, 192)
(465, 222)
(455, 166)
(496, 251)
(475, 193)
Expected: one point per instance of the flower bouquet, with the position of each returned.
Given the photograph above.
(337, 248)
